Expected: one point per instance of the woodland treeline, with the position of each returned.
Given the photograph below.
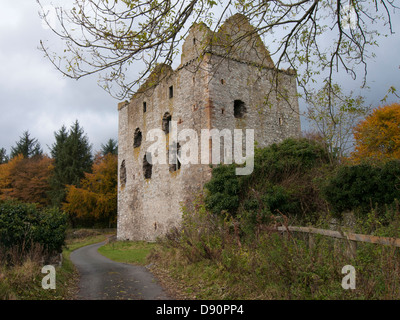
(73, 177)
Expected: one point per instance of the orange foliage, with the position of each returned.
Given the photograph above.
(97, 195)
(6, 177)
(377, 138)
(26, 179)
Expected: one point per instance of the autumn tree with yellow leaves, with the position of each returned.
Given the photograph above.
(377, 137)
(96, 198)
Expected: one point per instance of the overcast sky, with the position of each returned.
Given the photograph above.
(36, 97)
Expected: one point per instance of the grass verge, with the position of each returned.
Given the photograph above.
(24, 281)
(134, 252)
(213, 259)
(282, 269)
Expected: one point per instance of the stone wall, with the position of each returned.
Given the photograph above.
(272, 117)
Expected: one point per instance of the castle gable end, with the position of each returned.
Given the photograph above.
(236, 39)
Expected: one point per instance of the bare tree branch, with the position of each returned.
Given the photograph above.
(112, 37)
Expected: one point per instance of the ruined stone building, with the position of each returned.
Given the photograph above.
(224, 81)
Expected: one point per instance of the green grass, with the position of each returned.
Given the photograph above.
(79, 243)
(134, 252)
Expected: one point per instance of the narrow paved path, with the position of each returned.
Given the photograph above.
(104, 279)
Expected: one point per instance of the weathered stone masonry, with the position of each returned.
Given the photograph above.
(224, 81)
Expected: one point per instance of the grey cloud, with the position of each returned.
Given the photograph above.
(34, 96)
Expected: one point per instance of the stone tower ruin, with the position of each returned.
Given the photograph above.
(226, 80)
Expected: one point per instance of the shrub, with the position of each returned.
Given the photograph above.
(281, 181)
(258, 207)
(16, 223)
(223, 190)
(50, 230)
(360, 187)
(390, 176)
(292, 156)
(22, 225)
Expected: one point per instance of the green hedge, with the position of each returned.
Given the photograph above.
(363, 187)
(22, 224)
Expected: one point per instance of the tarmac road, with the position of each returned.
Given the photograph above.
(104, 279)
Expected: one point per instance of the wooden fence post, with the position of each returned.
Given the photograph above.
(351, 249)
(311, 242)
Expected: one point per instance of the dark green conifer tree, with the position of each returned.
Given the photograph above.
(3, 156)
(27, 147)
(110, 147)
(72, 154)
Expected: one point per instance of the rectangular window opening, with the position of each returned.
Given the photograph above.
(144, 107)
(171, 92)
(239, 109)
